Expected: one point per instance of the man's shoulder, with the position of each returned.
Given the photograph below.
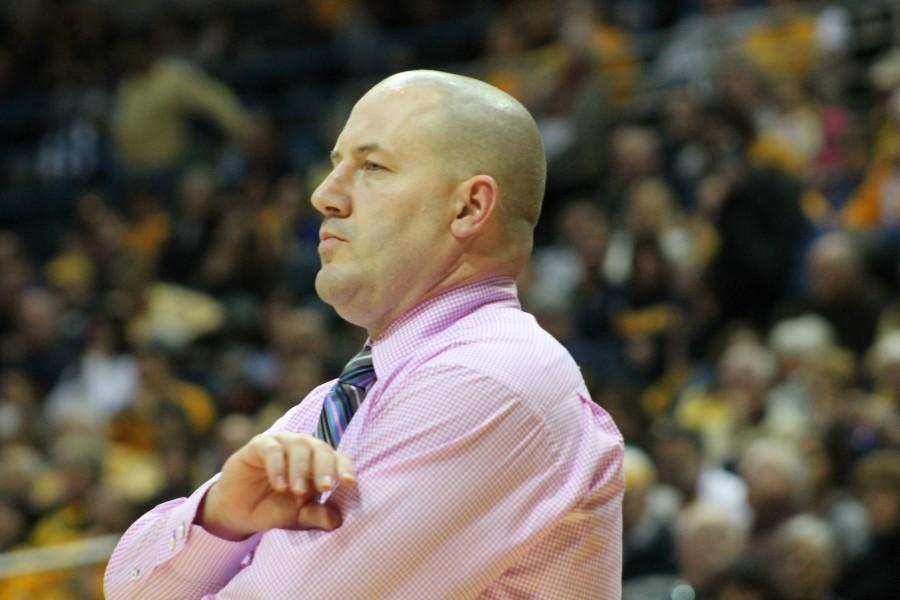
(512, 350)
(514, 330)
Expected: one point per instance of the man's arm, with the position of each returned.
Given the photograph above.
(160, 536)
(458, 479)
(164, 554)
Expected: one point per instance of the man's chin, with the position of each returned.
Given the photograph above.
(325, 284)
(341, 291)
(334, 286)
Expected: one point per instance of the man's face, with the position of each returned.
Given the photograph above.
(385, 237)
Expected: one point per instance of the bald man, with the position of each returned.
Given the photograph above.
(458, 455)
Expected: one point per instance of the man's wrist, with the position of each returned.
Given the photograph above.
(209, 518)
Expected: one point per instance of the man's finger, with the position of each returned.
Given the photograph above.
(319, 516)
(346, 472)
(299, 469)
(272, 455)
(324, 467)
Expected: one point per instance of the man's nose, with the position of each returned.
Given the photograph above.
(332, 197)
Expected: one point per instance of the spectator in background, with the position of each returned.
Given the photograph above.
(148, 225)
(21, 466)
(103, 231)
(36, 346)
(72, 276)
(154, 101)
(880, 412)
(688, 476)
(797, 344)
(685, 154)
(569, 273)
(192, 227)
(875, 207)
(297, 376)
(13, 526)
(574, 109)
(15, 275)
(647, 537)
(231, 432)
(795, 127)
(635, 154)
(100, 383)
(78, 147)
(610, 49)
(831, 499)
(569, 288)
(874, 575)
(842, 291)
(730, 410)
(805, 558)
(623, 402)
(647, 318)
(62, 493)
(62, 490)
(707, 542)
(697, 43)
(784, 42)
(779, 485)
(885, 359)
(20, 410)
(745, 89)
(505, 43)
(760, 228)
(160, 313)
(282, 235)
(650, 211)
(744, 580)
(841, 182)
(164, 408)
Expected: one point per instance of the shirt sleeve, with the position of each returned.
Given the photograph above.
(457, 480)
(164, 555)
(160, 536)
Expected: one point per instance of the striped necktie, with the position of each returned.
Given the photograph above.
(345, 397)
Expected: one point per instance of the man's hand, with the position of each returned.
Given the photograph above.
(271, 483)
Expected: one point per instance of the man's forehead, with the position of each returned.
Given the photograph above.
(384, 119)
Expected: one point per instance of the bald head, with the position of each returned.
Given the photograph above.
(436, 183)
(481, 130)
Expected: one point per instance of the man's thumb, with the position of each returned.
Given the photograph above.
(317, 515)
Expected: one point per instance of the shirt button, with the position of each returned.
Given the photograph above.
(181, 531)
(135, 573)
(172, 542)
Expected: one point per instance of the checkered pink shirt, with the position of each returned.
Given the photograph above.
(484, 470)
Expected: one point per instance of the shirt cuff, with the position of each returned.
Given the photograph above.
(190, 550)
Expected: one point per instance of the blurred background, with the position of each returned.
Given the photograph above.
(718, 250)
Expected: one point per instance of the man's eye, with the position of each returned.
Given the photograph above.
(371, 166)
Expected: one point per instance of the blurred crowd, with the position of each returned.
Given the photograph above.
(718, 250)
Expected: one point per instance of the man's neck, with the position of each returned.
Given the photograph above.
(465, 273)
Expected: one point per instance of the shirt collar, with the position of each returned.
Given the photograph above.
(424, 321)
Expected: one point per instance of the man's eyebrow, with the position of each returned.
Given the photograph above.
(361, 149)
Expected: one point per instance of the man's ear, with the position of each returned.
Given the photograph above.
(477, 199)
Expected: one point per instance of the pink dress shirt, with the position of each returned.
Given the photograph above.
(484, 471)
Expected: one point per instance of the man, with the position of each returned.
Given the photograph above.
(475, 462)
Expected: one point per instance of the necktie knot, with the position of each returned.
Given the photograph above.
(345, 397)
(360, 371)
